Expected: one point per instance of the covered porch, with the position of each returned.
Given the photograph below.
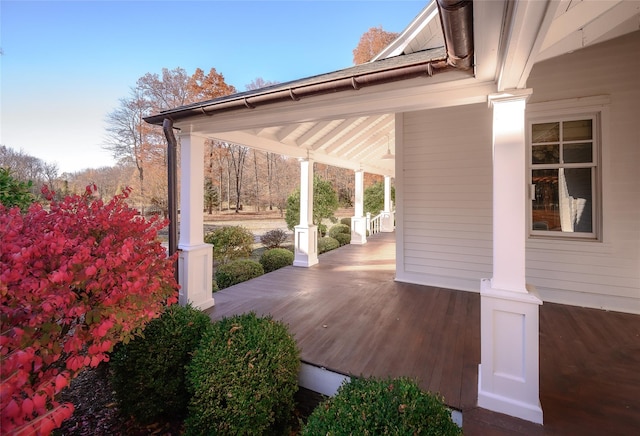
(350, 316)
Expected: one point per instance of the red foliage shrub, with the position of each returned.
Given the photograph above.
(74, 280)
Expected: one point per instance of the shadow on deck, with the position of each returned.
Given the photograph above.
(349, 315)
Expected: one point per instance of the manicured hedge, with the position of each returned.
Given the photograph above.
(381, 407)
(327, 244)
(243, 378)
(148, 372)
(237, 271)
(343, 238)
(339, 229)
(230, 243)
(276, 258)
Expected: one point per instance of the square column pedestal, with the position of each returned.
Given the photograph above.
(508, 377)
(306, 249)
(387, 222)
(359, 230)
(195, 274)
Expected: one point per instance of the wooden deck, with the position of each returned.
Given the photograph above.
(349, 315)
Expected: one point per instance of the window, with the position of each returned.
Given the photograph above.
(564, 176)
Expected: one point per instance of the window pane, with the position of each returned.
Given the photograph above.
(563, 201)
(545, 154)
(577, 130)
(545, 208)
(575, 153)
(576, 200)
(545, 132)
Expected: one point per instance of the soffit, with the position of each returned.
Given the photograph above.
(579, 23)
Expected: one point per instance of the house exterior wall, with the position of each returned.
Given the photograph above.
(605, 273)
(444, 188)
(443, 194)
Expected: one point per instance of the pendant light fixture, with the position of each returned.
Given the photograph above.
(388, 154)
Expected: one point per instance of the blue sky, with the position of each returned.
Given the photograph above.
(65, 64)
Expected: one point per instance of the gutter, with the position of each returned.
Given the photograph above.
(295, 93)
(456, 17)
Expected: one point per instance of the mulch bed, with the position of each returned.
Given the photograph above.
(97, 413)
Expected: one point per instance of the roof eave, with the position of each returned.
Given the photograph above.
(298, 91)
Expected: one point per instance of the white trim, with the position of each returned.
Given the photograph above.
(399, 141)
(320, 379)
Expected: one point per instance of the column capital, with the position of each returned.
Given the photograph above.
(509, 96)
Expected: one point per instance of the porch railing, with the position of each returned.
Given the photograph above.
(374, 224)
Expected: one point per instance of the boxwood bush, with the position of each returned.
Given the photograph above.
(322, 230)
(343, 238)
(339, 229)
(229, 243)
(243, 378)
(346, 221)
(276, 258)
(237, 271)
(379, 407)
(327, 244)
(147, 374)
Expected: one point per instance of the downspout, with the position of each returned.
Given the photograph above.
(456, 17)
(172, 186)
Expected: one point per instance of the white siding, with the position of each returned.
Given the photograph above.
(444, 192)
(444, 197)
(603, 274)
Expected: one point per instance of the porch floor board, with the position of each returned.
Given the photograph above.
(349, 315)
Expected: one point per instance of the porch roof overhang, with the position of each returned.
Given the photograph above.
(346, 118)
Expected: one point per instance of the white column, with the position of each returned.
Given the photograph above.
(306, 233)
(359, 221)
(509, 377)
(195, 263)
(387, 219)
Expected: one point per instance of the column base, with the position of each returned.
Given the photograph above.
(387, 222)
(306, 246)
(358, 230)
(508, 376)
(195, 275)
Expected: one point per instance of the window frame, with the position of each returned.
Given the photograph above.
(596, 109)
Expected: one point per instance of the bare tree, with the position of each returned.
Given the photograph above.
(131, 140)
(128, 135)
(25, 167)
(259, 83)
(237, 157)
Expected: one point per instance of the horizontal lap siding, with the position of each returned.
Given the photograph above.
(602, 274)
(446, 194)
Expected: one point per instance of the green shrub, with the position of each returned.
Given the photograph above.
(276, 258)
(327, 244)
(274, 238)
(339, 229)
(377, 407)
(346, 221)
(374, 198)
(148, 372)
(322, 230)
(229, 243)
(343, 238)
(325, 203)
(243, 378)
(14, 192)
(237, 271)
